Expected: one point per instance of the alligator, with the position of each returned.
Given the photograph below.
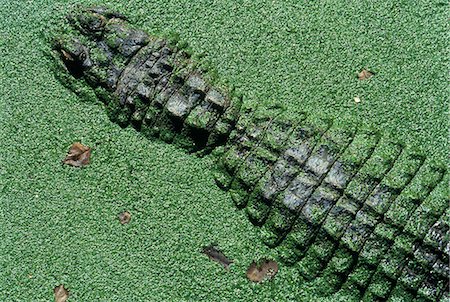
(348, 204)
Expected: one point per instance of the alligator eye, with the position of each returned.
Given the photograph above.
(73, 66)
(65, 55)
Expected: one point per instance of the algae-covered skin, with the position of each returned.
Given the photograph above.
(151, 83)
(368, 215)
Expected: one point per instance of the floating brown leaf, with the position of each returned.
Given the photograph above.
(365, 74)
(78, 155)
(267, 269)
(254, 273)
(124, 217)
(216, 255)
(61, 294)
(271, 268)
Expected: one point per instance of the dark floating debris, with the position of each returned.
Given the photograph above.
(365, 74)
(61, 294)
(216, 255)
(124, 217)
(78, 156)
(266, 270)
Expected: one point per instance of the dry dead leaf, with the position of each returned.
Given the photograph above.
(216, 255)
(124, 217)
(78, 155)
(271, 268)
(365, 74)
(266, 270)
(255, 273)
(61, 294)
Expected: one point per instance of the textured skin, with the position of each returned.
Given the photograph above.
(368, 215)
